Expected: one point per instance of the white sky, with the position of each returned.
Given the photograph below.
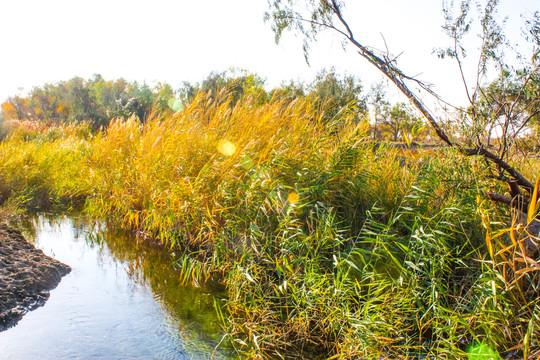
(184, 40)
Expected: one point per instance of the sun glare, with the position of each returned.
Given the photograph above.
(175, 104)
(227, 148)
(482, 352)
(293, 198)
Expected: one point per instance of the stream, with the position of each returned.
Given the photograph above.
(122, 300)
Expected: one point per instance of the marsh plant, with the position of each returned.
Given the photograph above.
(330, 246)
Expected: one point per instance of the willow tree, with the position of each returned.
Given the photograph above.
(308, 18)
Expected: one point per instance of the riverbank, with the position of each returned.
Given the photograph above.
(118, 290)
(328, 244)
(26, 276)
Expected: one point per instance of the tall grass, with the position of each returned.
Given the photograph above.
(43, 166)
(330, 246)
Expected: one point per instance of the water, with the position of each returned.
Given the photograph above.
(121, 300)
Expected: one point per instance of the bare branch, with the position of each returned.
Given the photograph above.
(521, 181)
(491, 38)
(460, 66)
(518, 202)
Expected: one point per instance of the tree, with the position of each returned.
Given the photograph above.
(140, 102)
(399, 122)
(47, 105)
(510, 104)
(108, 95)
(164, 93)
(17, 108)
(9, 111)
(339, 94)
(289, 90)
(377, 99)
(95, 101)
(309, 17)
(230, 85)
(82, 102)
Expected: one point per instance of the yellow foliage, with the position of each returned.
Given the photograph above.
(9, 110)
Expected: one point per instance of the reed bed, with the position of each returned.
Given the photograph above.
(330, 246)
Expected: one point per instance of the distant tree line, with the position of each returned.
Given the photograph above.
(97, 101)
(336, 93)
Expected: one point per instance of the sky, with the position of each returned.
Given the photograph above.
(184, 40)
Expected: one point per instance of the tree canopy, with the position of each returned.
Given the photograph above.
(95, 101)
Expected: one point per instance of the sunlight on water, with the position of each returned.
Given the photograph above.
(121, 301)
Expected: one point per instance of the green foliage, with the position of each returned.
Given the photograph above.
(95, 101)
(339, 94)
(396, 122)
(329, 246)
(231, 85)
(306, 19)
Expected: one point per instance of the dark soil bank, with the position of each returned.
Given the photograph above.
(26, 276)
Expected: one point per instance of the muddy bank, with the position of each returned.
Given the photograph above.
(26, 276)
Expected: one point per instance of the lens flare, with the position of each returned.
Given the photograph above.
(293, 198)
(482, 352)
(227, 148)
(175, 104)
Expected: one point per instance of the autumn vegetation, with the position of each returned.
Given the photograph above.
(342, 226)
(96, 101)
(328, 243)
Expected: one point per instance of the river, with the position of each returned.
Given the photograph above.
(122, 300)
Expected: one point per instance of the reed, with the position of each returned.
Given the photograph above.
(330, 246)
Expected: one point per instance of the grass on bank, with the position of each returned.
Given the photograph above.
(329, 246)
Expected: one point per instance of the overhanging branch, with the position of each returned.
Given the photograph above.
(520, 179)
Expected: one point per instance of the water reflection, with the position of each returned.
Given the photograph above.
(122, 300)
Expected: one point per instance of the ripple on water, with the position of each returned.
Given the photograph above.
(115, 304)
